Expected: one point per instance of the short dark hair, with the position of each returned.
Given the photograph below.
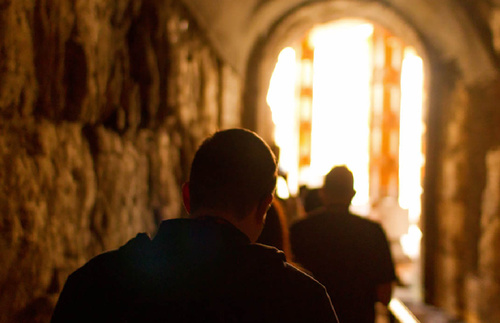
(339, 181)
(232, 171)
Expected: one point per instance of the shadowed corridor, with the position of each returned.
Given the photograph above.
(103, 104)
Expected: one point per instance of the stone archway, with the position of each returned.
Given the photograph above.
(465, 48)
(451, 63)
(294, 26)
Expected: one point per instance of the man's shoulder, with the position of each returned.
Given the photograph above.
(309, 293)
(96, 264)
(299, 277)
(108, 262)
(275, 261)
(314, 218)
(269, 257)
(365, 223)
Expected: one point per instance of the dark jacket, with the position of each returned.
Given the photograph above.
(194, 270)
(349, 255)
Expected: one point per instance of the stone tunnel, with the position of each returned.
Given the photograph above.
(103, 104)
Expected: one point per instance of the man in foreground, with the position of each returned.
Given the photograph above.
(205, 268)
(350, 255)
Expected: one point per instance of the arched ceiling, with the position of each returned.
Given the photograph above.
(235, 26)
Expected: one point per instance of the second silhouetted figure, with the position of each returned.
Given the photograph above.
(349, 254)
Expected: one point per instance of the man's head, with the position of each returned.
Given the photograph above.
(233, 171)
(338, 186)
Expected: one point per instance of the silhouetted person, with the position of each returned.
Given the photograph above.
(205, 268)
(349, 254)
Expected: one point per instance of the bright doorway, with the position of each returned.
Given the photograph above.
(351, 93)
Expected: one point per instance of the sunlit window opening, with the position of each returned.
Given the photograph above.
(345, 96)
(281, 98)
(411, 159)
(341, 103)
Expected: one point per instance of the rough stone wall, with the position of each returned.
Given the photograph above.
(489, 258)
(451, 208)
(463, 265)
(102, 105)
(487, 282)
(467, 208)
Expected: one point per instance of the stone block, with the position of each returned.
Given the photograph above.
(18, 87)
(454, 176)
(165, 180)
(47, 191)
(489, 258)
(450, 279)
(230, 98)
(488, 300)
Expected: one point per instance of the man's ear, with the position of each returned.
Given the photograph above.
(186, 197)
(264, 205)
